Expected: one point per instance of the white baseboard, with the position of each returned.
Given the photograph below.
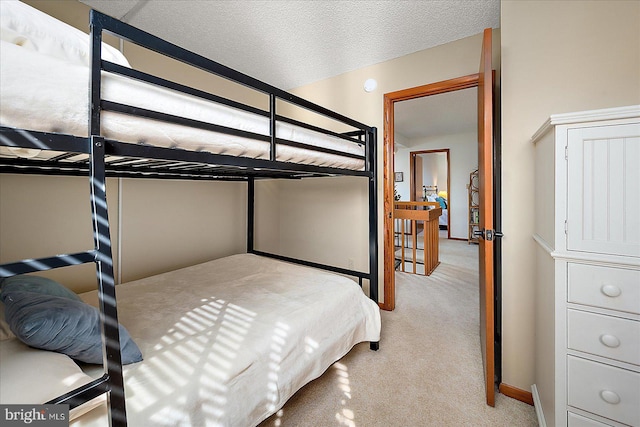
(538, 406)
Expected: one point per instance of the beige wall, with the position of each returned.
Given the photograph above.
(169, 224)
(557, 57)
(46, 216)
(321, 220)
(164, 224)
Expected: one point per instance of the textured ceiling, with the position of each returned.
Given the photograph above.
(291, 43)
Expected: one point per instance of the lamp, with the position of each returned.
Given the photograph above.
(443, 194)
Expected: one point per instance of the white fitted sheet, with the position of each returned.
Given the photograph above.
(444, 218)
(228, 342)
(44, 93)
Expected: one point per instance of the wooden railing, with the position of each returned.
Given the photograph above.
(412, 216)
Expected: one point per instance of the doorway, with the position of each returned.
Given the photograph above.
(430, 181)
(452, 85)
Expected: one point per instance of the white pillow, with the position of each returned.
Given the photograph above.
(5, 331)
(31, 376)
(32, 29)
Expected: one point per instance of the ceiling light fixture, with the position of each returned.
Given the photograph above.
(370, 85)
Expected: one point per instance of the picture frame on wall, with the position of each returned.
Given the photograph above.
(398, 177)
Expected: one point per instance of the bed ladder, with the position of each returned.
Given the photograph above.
(111, 383)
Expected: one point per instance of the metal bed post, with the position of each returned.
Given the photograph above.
(251, 185)
(111, 355)
(106, 285)
(373, 214)
(272, 126)
(372, 164)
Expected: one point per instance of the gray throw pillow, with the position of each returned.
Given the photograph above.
(37, 284)
(61, 324)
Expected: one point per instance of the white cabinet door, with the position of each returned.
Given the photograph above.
(603, 209)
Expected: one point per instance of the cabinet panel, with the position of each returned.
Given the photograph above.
(604, 189)
(605, 287)
(604, 390)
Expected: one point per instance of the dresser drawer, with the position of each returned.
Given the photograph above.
(575, 420)
(605, 336)
(601, 389)
(606, 287)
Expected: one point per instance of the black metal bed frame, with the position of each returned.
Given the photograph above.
(169, 163)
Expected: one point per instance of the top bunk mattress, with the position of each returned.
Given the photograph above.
(48, 92)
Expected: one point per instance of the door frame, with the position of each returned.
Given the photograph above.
(459, 83)
(412, 178)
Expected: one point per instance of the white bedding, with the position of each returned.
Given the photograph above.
(44, 81)
(227, 342)
(57, 101)
(444, 218)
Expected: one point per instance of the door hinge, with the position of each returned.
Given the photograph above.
(566, 227)
(566, 152)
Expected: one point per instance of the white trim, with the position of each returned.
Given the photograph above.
(587, 116)
(592, 258)
(597, 259)
(544, 244)
(538, 406)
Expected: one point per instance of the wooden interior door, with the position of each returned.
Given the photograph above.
(486, 239)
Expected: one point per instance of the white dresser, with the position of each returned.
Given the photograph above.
(587, 234)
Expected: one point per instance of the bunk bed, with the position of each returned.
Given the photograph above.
(184, 133)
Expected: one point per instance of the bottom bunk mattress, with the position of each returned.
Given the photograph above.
(229, 341)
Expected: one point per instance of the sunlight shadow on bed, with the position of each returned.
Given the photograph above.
(199, 349)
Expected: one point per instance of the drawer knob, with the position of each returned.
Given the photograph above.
(611, 290)
(610, 340)
(610, 397)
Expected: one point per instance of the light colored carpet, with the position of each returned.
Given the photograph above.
(428, 371)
